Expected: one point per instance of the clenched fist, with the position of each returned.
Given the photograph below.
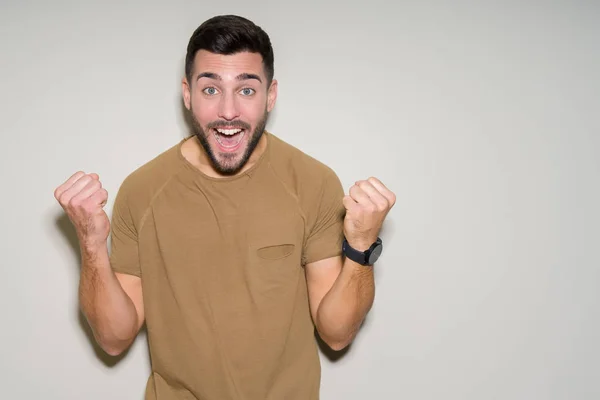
(83, 198)
(367, 205)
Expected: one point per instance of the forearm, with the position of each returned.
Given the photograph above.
(344, 307)
(107, 308)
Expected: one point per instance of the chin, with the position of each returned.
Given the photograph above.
(229, 161)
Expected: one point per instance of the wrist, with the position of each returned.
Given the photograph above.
(360, 244)
(92, 247)
(364, 253)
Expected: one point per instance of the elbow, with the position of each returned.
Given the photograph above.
(337, 338)
(338, 345)
(113, 351)
(112, 344)
(113, 348)
(112, 340)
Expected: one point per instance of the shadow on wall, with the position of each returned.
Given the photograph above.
(66, 228)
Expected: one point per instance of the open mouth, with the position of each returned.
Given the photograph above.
(230, 138)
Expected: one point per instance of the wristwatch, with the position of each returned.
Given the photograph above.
(367, 257)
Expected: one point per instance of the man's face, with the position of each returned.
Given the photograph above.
(229, 103)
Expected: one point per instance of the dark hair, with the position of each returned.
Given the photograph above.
(230, 34)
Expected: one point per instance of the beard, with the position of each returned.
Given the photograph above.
(226, 163)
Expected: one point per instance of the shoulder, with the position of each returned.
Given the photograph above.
(293, 164)
(142, 184)
(309, 179)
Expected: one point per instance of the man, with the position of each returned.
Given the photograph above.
(228, 245)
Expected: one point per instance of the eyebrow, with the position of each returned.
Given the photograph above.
(241, 77)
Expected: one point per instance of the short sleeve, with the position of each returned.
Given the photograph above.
(124, 256)
(326, 229)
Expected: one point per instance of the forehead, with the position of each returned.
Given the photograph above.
(228, 66)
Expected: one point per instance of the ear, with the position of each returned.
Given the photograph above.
(272, 95)
(185, 90)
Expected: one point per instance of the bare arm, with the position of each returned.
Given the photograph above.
(340, 297)
(112, 303)
(341, 293)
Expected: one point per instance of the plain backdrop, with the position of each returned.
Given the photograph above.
(483, 118)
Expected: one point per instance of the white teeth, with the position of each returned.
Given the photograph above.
(228, 132)
(231, 145)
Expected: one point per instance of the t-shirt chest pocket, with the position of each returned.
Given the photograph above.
(275, 246)
(276, 251)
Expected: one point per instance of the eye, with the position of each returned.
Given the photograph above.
(247, 91)
(211, 91)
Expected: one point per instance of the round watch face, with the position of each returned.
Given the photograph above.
(375, 254)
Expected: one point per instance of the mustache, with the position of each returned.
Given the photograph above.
(228, 125)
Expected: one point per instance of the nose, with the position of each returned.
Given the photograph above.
(228, 107)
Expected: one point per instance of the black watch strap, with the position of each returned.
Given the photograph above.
(362, 257)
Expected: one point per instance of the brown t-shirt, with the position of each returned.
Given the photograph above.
(221, 263)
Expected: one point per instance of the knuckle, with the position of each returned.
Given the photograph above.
(74, 202)
(77, 175)
(63, 200)
(82, 182)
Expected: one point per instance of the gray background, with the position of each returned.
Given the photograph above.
(482, 117)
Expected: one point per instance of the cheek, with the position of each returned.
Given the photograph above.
(203, 111)
(253, 112)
